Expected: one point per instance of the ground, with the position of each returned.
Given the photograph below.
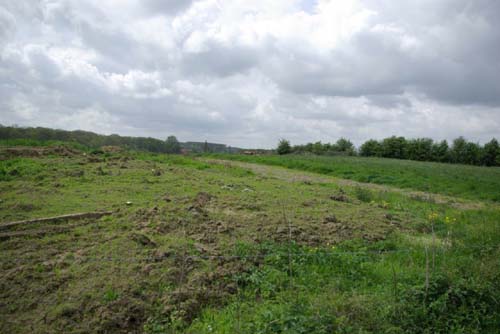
(197, 244)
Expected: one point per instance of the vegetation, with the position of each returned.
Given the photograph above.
(197, 245)
(342, 146)
(284, 147)
(172, 145)
(44, 136)
(420, 149)
(455, 180)
(425, 149)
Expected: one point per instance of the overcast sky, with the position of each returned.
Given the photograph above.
(248, 72)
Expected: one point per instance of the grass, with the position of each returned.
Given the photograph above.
(470, 182)
(200, 247)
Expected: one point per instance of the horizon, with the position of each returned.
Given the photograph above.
(356, 146)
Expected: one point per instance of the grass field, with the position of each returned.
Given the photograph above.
(211, 246)
(464, 181)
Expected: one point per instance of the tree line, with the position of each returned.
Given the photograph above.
(92, 140)
(460, 151)
(342, 146)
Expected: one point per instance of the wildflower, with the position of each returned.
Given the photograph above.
(384, 205)
(433, 216)
(449, 220)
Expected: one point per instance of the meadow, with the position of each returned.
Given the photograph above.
(209, 245)
(463, 181)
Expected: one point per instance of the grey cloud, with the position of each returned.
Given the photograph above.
(417, 68)
(7, 24)
(218, 60)
(456, 61)
(168, 7)
(389, 101)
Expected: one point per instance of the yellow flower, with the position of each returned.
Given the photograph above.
(433, 216)
(449, 220)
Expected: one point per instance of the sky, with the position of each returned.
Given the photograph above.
(249, 72)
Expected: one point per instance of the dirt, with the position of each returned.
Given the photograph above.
(339, 197)
(111, 149)
(204, 288)
(125, 315)
(142, 239)
(202, 199)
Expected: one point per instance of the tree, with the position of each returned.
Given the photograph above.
(284, 147)
(419, 149)
(458, 150)
(345, 145)
(491, 153)
(317, 148)
(172, 145)
(394, 147)
(441, 151)
(473, 153)
(371, 148)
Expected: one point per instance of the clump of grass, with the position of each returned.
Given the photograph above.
(363, 194)
(110, 295)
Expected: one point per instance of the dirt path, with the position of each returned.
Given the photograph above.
(291, 175)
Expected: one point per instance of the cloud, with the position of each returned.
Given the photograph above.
(170, 7)
(247, 73)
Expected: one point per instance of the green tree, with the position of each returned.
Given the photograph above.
(345, 145)
(284, 147)
(371, 148)
(441, 151)
(473, 152)
(491, 152)
(172, 145)
(419, 149)
(318, 148)
(394, 147)
(458, 150)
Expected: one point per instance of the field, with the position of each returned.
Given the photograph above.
(207, 245)
(462, 181)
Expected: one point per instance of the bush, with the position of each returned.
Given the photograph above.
(466, 306)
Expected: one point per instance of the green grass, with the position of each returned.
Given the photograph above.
(463, 181)
(267, 254)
